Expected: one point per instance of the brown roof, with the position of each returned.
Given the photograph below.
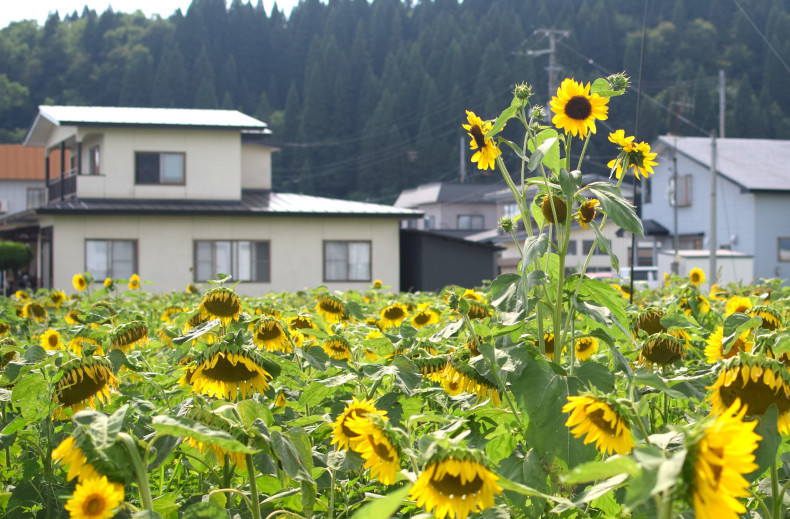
(19, 162)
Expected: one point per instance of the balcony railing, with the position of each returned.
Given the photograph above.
(58, 188)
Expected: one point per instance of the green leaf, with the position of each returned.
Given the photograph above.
(180, 426)
(385, 507)
(602, 87)
(250, 410)
(535, 247)
(35, 354)
(768, 447)
(516, 149)
(146, 514)
(197, 331)
(606, 295)
(506, 115)
(546, 149)
(309, 495)
(597, 470)
(31, 395)
(102, 429)
(734, 326)
(679, 320)
(569, 182)
(205, 510)
(606, 246)
(616, 207)
(655, 381)
(289, 455)
(166, 505)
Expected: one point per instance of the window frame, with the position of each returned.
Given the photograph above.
(42, 197)
(779, 249)
(234, 247)
(472, 218)
(348, 264)
(109, 272)
(161, 155)
(94, 160)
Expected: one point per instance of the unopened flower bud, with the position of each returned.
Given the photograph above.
(619, 82)
(506, 224)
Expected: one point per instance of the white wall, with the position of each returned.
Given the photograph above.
(256, 166)
(165, 247)
(14, 192)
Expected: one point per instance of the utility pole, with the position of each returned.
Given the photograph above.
(554, 35)
(721, 104)
(463, 161)
(713, 247)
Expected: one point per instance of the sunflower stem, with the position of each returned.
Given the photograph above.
(331, 507)
(639, 423)
(233, 491)
(253, 502)
(776, 498)
(760, 501)
(584, 149)
(139, 467)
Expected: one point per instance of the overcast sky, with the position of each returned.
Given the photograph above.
(16, 10)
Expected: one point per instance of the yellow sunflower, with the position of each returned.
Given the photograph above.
(342, 435)
(619, 138)
(50, 340)
(108, 283)
(74, 317)
(169, 312)
(95, 498)
(718, 460)
(127, 336)
(601, 421)
(377, 284)
(487, 151)
(636, 156)
(695, 304)
(477, 310)
(269, 335)
(771, 318)
(221, 303)
(757, 382)
(81, 342)
(548, 343)
(737, 304)
(330, 308)
(337, 347)
(458, 377)
(718, 293)
(392, 315)
(220, 454)
(697, 276)
(70, 454)
(225, 372)
(576, 110)
(424, 316)
(280, 401)
(474, 296)
(587, 212)
(21, 295)
(714, 349)
(586, 347)
(84, 380)
(376, 447)
(134, 282)
(299, 323)
(57, 297)
(454, 485)
(34, 311)
(79, 282)
(662, 349)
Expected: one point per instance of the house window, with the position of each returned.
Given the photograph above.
(428, 222)
(510, 210)
(587, 245)
(110, 258)
(244, 260)
(680, 193)
(347, 261)
(572, 247)
(94, 160)
(158, 168)
(784, 249)
(35, 197)
(468, 222)
(647, 197)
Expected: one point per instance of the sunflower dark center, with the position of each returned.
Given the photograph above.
(597, 418)
(354, 413)
(477, 312)
(53, 340)
(651, 323)
(756, 395)
(337, 346)
(662, 351)
(769, 323)
(741, 309)
(454, 385)
(75, 393)
(559, 207)
(422, 318)
(450, 485)
(381, 449)
(478, 136)
(93, 505)
(222, 307)
(301, 323)
(329, 306)
(549, 344)
(394, 312)
(738, 346)
(585, 344)
(578, 108)
(225, 371)
(695, 277)
(37, 310)
(268, 332)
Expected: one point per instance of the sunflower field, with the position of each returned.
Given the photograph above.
(544, 393)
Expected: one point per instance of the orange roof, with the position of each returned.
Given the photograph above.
(18, 162)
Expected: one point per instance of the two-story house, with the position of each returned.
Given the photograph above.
(179, 195)
(752, 197)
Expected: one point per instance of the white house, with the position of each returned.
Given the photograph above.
(752, 197)
(178, 196)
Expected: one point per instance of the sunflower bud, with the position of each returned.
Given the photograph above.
(619, 82)
(506, 224)
(523, 91)
(559, 206)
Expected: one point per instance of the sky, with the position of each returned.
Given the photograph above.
(17, 10)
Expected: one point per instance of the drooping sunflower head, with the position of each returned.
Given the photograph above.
(757, 382)
(269, 335)
(697, 276)
(694, 304)
(587, 212)
(51, 341)
(337, 347)
(299, 322)
(717, 293)
(649, 321)
(95, 498)
(720, 452)
(22, 295)
(424, 316)
(134, 282)
(392, 315)
(715, 351)
(455, 483)
(34, 311)
(342, 434)
(601, 420)
(79, 282)
(192, 289)
(57, 297)
(431, 366)
(377, 443)
(221, 303)
(74, 317)
(472, 295)
(169, 312)
(84, 380)
(216, 421)
(127, 336)
(459, 377)
(576, 110)
(737, 304)
(662, 349)
(83, 343)
(487, 151)
(586, 347)
(478, 310)
(559, 206)
(772, 319)
(105, 309)
(330, 308)
(227, 371)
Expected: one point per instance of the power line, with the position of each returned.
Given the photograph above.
(787, 68)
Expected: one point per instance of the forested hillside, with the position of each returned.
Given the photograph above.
(368, 98)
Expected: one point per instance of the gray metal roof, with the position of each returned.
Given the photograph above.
(446, 192)
(252, 203)
(754, 164)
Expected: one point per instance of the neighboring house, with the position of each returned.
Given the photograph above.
(22, 176)
(178, 196)
(752, 193)
(451, 208)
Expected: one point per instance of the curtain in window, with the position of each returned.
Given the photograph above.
(335, 260)
(123, 256)
(359, 261)
(97, 259)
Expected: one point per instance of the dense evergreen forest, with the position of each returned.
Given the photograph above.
(366, 98)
